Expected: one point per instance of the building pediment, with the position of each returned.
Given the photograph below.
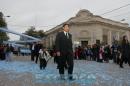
(86, 17)
(81, 16)
(84, 13)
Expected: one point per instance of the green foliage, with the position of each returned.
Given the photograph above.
(41, 33)
(32, 32)
(3, 35)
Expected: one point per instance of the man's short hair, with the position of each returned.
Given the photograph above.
(65, 24)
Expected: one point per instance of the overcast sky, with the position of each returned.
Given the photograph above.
(45, 14)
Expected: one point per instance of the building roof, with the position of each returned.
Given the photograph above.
(84, 17)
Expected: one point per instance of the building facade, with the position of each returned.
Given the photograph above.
(88, 29)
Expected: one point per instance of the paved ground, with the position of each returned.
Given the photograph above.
(22, 72)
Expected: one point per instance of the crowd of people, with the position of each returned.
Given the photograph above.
(6, 51)
(119, 53)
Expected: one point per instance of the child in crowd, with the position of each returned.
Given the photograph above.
(44, 56)
(101, 52)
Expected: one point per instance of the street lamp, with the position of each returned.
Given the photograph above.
(122, 19)
(7, 16)
(2, 15)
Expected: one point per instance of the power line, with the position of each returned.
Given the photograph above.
(115, 9)
(119, 14)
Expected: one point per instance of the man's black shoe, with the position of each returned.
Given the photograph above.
(62, 77)
(71, 78)
(121, 67)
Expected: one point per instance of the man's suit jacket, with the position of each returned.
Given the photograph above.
(37, 47)
(63, 44)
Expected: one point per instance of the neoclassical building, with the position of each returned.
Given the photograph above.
(87, 28)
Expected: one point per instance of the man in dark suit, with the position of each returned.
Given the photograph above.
(35, 51)
(32, 48)
(64, 50)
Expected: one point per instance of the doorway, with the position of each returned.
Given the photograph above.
(84, 43)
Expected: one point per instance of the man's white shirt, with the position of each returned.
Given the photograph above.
(66, 34)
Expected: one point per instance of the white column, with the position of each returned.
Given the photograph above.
(51, 39)
(117, 36)
(109, 37)
(47, 41)
(92, 38)
(128, 35)
(100, 36)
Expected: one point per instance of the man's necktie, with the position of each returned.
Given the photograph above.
(67, 35)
